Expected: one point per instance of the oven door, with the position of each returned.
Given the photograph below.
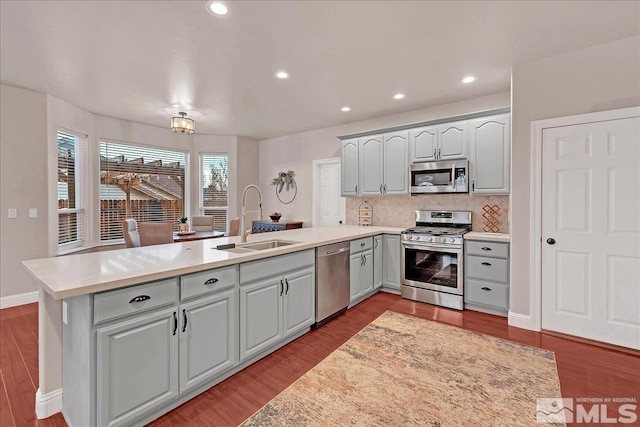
(434, 267)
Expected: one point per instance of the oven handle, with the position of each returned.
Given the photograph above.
(453, 175)
(434, 248)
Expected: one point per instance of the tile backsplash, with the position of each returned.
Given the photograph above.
(399, 211)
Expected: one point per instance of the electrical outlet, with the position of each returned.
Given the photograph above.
(33, 212)
(12, 213)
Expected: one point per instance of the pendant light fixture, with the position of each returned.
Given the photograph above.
(182, 124)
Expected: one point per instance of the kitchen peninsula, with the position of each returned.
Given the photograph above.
(202, 313)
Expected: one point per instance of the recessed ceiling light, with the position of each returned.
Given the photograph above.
(218, 8)
(468, 79)
(345, 109)
(282, 75)
(176, 105)
(398, 96)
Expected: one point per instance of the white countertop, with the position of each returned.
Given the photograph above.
(487, 237)
(73, 275)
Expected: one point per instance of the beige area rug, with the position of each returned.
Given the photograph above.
(405, 371)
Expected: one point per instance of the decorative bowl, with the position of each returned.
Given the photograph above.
(275, 218)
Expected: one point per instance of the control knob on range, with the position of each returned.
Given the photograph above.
(428, 238)
(409, 237)
(452, 240)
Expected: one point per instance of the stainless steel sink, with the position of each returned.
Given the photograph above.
(258, 246)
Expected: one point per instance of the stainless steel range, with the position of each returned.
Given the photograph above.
(432, 258)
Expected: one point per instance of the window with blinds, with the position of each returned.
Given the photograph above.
(146, 184)
(214, 186)
(71, 215)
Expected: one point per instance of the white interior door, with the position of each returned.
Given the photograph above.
(591, 231)
(329, 205)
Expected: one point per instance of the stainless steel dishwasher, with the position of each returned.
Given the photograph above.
(332, 281)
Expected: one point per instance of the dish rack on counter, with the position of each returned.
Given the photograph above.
(365, 214)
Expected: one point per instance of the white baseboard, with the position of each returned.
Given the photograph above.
(48, 404)
(523, 321)
(19, 299)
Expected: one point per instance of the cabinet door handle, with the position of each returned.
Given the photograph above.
(211, 281)
(361, 260)
(356, 188)
(364, 257)
(384, 188)
(287, 282)
(380, 188)
(375, 243)
(486, 248)
(175, 323)
(139, 298)
(281, 287)
(184, 320)
(486, 263)
(473, 185)
(434, 154)
(484, 288)
(439, 156)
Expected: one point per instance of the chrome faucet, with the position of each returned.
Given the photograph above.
(243, 227)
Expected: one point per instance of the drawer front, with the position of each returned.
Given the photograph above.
(205, 282)
(485, 268)
(491, 249)
(492, 294)
(134, 299)
(360, 245)
(257, 270)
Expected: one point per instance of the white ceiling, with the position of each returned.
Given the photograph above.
(135, 59)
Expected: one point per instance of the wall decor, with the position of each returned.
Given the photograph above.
(285, 181)
(491, 219)
(365, 214)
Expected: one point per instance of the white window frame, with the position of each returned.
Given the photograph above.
(81, 177)
(202, 209)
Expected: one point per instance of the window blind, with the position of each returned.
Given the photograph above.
(214, 186)
(72, 156)
(143, 183)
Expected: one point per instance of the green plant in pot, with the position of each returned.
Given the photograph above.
(183, 226)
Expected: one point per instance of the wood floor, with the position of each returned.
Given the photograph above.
(584, 370)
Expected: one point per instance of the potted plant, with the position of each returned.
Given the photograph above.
(183, 226)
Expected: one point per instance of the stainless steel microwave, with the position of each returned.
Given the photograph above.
(450, 176)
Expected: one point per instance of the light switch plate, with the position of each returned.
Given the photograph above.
(12, 213)
(33, 212)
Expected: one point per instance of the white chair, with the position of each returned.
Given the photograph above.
(202, 223)
(130, 232)
(155, 233)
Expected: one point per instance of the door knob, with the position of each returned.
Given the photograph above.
(551, 241)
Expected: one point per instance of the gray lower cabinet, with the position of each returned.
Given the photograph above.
(378, 257)
(277, 300)
(361, 268)
(391, 266)
(137, 367)
(208, 338)
(486, 277)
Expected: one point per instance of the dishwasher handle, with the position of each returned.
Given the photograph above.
(337, 252)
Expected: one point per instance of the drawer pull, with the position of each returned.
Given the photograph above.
(484, 248)
(362, 244)
(484, 288)
(211, 281)
(139, 298)
(486, 263)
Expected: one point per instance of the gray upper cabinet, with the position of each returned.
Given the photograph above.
(208, 338)
(371, 166)
(439, 142)
(490, 155)
(452, 141)
(396, 163)
(349, 167)
(377, 261)
(137, 367)
(424, 144)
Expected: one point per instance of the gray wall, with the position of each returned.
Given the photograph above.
(23, 185)
(597, 78)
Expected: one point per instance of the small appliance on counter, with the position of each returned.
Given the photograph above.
(432, 258)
